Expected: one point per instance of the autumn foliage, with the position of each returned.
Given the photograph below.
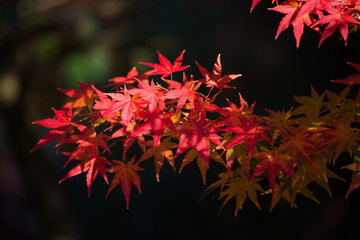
(170, 120)
(323, 16)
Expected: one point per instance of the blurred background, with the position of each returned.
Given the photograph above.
(49, 44)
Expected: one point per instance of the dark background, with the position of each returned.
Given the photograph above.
(49, 44)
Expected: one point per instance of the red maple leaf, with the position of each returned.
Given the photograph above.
(126, 175)
(129, 141)
(353, 79)
(272, 161)
(62, 118)
(355, 181)
(156, 122)
(129, 79)
(291, 10)
(202, 105)
(233, 115)
(249, 131)
(87, 152)
(103, 105)
(88, 142)
(215, 79)
(121, 81)
(317, 5)
(92, 166)
(183, 92)
(151, 93)
(61, 126)
(338, 18)
(255, 2)
(165, 68)
(127, 104)
(197, 132)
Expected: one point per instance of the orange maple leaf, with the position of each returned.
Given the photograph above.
(83, 98)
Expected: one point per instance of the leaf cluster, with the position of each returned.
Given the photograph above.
(168, 119)
(323, 16)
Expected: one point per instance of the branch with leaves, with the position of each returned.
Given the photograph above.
(323, 16)
(168, 119)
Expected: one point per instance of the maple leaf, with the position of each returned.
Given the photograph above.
(129, 80)
(286, 191)
(338, 18)
(280, 122)
(239, 153)
(299, 143)
(92, 166)
(233, 115)
(253, 5)
(83, 98)
(151, 93)
(248, 131)
(162, 151)
(156, 121)
(255, 2)
(272, 161)
(282, 190)
(49, 137)
(61, 126)
(355, 181)
(288, 188)
(338, 105)
(62, 118)
(353, 79)
(241, 189)
(193, 154)
(89, 142)
(202, 105)
(129, 141)
(189, 157)
(311, 106)
(305, 175)
(165, 68)
(215, 79)
(103, 106)
(317, 5)
(126, 175)
(196, 131)
(343, 136)
(121, 81)
(183, 92)
(127, 104)
(291, 9)
(236, 184)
